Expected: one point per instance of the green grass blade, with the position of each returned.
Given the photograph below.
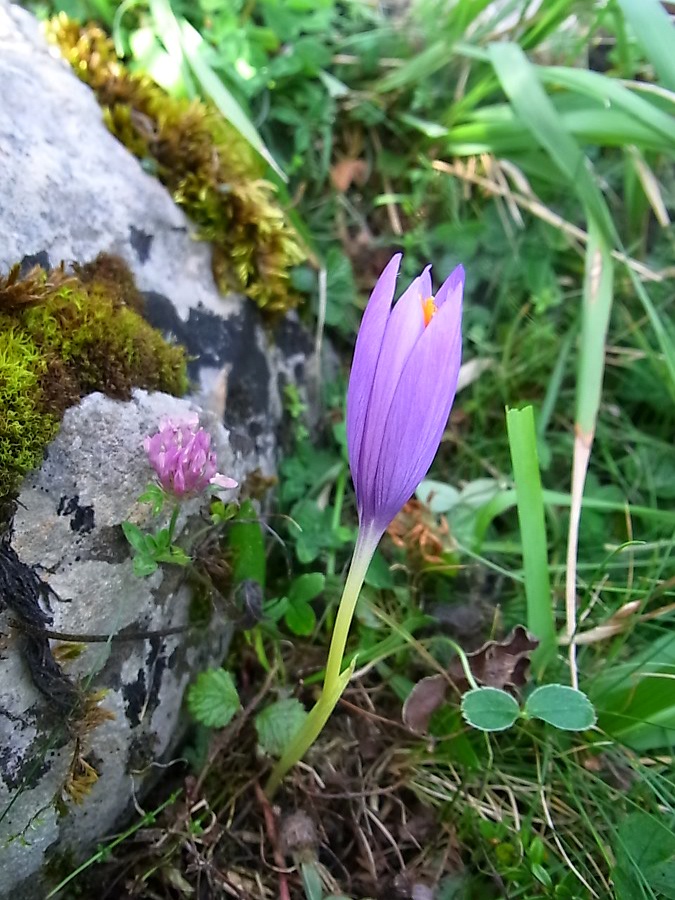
(533, 106)
(214, 88)
(596, 307)
(523, 446)
(664, 339)
(655, 34)
(595, 311)
(506, 499)
(168, 31)
(610, 91)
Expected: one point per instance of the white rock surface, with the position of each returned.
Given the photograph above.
(68, 529)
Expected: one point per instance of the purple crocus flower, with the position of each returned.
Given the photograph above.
(401, 389)
(181, 455)
(403, 382)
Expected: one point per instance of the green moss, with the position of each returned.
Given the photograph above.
(209, 168)
(25, 429)
(64, 336)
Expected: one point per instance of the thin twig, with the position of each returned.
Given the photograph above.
(537, 208)
(271, 829)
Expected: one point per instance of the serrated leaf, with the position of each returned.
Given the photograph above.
(489, 709)
(213, 699)
(278, 724)
(306, 587)
(562, 706)
(300, 619)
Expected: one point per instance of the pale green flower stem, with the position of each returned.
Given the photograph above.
(334, 681)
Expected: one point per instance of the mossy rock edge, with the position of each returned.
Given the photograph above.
(210, 170)
(64, 335)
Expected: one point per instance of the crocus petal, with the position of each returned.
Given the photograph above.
(404, 329)
(418, 414)
(452, 287)
(366, 355)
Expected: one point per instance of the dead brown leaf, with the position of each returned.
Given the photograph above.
(423, 701)
(347, 172)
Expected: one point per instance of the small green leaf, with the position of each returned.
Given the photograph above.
(213, 699)
(162, 540)
(135, 536)
(437, 495)
(561, 706)
(278, 724)
(542, 875)
(379, 574)
(489, 709)
(276, 608)
(155, 495)
(300, 619)
(178, 556)
(248, 546)
(144, 565)
(222, 512)
(306, 587)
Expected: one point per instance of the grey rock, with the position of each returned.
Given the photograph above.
(69, 190)
(69, 511)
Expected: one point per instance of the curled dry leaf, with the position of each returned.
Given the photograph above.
(347, 171)
(499, 664)
(416, 530)
(423, 701)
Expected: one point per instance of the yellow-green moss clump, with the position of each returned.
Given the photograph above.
(209, 168)
(63, 336)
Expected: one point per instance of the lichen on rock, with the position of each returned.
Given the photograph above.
(209, 168)
(62, 336)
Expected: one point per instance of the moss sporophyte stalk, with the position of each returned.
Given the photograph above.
(64, 335)
(401, 389)
(211, 171)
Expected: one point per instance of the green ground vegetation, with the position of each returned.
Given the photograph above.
(534, 144)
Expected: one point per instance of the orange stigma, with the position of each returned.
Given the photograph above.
(429, 310)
